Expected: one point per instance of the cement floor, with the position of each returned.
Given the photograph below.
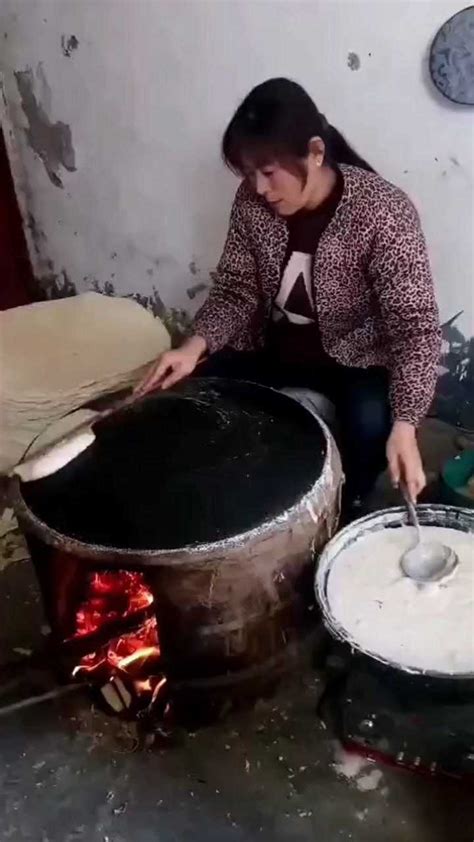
(71, 773)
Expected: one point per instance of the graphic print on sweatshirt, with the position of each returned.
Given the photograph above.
(294, 302)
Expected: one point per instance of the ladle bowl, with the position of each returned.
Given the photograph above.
(426, 561)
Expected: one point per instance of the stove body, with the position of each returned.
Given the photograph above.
(217, 623)
(423, 721)
(411, 721)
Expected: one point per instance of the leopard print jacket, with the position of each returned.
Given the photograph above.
(372, 283)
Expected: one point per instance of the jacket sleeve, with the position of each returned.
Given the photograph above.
(233, 299)
(404, 287)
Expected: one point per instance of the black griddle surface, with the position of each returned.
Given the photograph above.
(207, 461)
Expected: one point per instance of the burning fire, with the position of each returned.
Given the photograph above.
(127, 668)
(112, 596)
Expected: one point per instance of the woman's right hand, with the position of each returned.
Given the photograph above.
(173, 366)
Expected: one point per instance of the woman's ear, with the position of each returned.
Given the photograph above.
(317, 150)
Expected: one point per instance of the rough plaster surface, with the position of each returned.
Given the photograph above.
(146, 90)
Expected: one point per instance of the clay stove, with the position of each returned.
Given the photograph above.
(176, 556)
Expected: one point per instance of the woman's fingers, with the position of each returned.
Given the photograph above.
(150, 382)
(393, 459)
(404, 459)
(155, 375)
(176, 374)
(413, 472)
(415, 481)
(173, 366)
(394, 469)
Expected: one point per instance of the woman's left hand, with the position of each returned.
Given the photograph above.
(404, 459)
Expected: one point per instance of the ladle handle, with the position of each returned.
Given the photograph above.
(411, 508)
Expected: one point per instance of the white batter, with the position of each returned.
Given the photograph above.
(427, 627)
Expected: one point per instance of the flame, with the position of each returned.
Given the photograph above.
(143, 686)
(134, 656)
(128, 653)
(141, 655)
(112, 596)
(150, 685)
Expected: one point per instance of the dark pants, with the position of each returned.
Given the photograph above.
(360, 396)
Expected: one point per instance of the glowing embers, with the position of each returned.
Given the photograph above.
(127, 668)
(111, 597)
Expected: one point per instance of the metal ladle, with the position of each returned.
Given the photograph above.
(426, 561)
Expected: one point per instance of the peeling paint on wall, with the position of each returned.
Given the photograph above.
(52, 142)
(353, 61)
(195, 290)
(151, 302)
(55, 285)
(69, 43)
(176, 320)
(198, 286)
(37, 235)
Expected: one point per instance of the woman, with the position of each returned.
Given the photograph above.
(324, 282)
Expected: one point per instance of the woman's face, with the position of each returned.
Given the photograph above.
(281, 189)
(288, 191)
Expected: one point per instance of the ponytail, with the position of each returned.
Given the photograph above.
(340, 152)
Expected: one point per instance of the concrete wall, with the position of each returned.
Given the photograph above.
(113, 113)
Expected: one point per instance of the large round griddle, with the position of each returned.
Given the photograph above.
(207, 461)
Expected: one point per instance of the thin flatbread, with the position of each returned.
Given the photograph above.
(57, 356)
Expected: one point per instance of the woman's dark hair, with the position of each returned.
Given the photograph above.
(275, 122)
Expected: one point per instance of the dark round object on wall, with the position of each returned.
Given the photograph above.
(452, 58)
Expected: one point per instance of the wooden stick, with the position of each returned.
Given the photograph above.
(36, 700)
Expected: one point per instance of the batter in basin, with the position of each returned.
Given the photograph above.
(422, 627)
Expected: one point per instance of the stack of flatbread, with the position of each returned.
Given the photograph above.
(57, 356)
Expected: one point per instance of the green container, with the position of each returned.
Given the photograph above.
(455, 474)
